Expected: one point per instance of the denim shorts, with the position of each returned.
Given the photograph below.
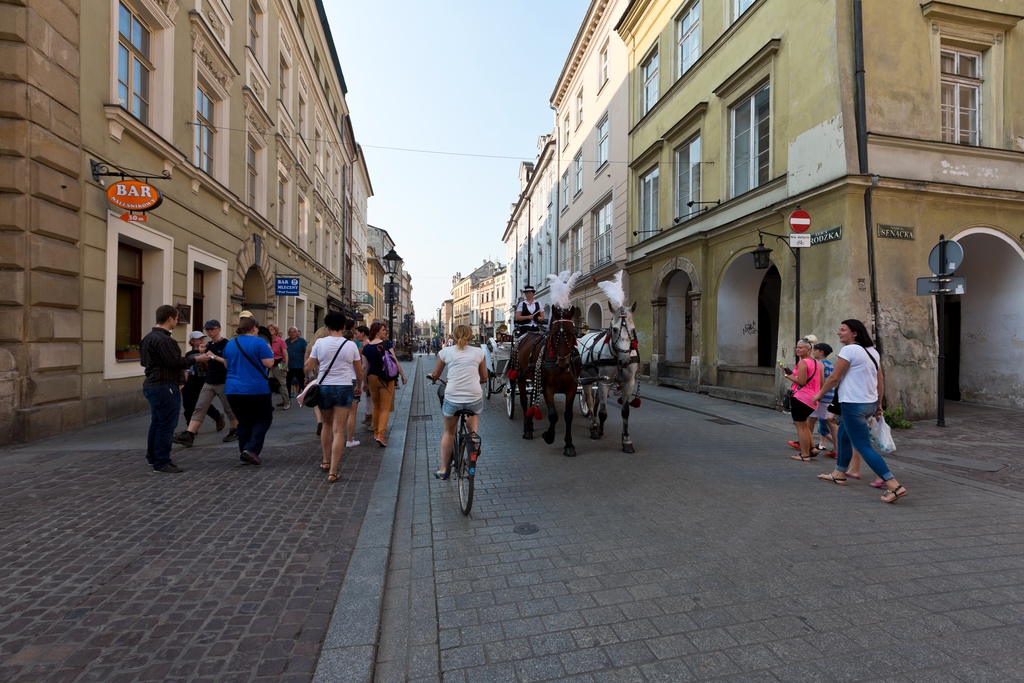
(335, 396)
(448, 409)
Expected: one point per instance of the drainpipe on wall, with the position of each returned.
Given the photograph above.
(862, 157)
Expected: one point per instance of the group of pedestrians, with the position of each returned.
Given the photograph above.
(848, 393)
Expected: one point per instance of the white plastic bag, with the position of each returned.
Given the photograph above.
(881, 435)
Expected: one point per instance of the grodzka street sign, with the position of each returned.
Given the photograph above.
(830, 235)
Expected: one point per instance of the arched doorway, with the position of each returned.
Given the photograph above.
(678, 327)
(252, 283)
(748, 314)
(594, 317)
(985, 325)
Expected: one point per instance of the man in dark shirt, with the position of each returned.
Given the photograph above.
(216, 376)
(160, 355)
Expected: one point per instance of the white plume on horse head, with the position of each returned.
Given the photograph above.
(613, 290)
(561, 287)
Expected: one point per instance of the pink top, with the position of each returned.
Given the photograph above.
(805, 394)
(279, 347)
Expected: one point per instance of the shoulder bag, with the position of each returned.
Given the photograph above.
(273, 383)
(311, 396)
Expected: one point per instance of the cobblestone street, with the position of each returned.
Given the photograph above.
(224, 573)
(708, 555)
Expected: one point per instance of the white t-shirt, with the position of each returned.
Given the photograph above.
(860, 383)
(341, 373)
(463, 373)
(525, 308)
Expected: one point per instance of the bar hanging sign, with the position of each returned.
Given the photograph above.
(287, 286)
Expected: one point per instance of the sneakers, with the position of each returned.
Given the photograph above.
(232, 435)
(220, 422)
(351, 444)
(169, 468)
(287, 406)
(250, 457)
(184, 438)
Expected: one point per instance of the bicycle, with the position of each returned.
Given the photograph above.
(465, 450)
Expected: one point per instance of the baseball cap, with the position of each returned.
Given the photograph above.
(210, 324)
(245, 314)
(195, 334)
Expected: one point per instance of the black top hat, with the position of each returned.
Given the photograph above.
(528, 288)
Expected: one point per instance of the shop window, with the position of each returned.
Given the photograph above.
(128, 325)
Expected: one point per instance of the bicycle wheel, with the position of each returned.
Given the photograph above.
(510, 400)
(465, 478)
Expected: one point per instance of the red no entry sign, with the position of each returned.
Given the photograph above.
(800, 221)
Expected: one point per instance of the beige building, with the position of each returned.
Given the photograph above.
(235, 111)
(591, 101)
(489, 311)
(461, 299)
(530, 235)
(749, 108)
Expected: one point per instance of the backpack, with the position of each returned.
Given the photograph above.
(389, 368)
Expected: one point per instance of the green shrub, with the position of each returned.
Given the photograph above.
(894, 418)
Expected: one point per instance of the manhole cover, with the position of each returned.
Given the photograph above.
(526, 529)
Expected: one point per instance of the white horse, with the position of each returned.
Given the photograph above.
(610, 357)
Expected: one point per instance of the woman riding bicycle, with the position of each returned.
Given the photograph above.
(466, 372)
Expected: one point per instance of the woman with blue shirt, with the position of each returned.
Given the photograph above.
(248, 358)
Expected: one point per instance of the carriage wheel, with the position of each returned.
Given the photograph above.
(490, 381)
(510, 400)
(584, 406)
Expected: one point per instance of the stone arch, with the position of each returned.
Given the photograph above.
(985, 324)
(748, 316)
(595, 316)
(682, 272)
(254, 275)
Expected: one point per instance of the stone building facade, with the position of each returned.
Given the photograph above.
(751, 108)
(235, 111)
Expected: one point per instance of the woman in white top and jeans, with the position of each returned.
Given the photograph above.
(862, 387)
(340, 373)
(466, 372)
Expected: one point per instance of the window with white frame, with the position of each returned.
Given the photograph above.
(961, 96)
(302, 215)
(204, 131)
(251, 175)
(739, 7)
(282, 82)
(253, 39)
(649, 93)
(603, 234)
(302, 118)
(602, 143)
(565, 131)
(688, 178)
(579, 108)
(577, 169)
(751, 141)
(576, 236)
(565, 191)
(602, 75)
(282, 206)
(688, 31)
(563, 246)
(133, 63)
(649, 203)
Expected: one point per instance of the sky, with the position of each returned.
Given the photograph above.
(456, 76)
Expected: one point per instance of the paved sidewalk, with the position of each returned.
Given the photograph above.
(109, 572)
(707, 555)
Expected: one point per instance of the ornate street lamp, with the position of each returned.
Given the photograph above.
(392, 261)
(762, 256)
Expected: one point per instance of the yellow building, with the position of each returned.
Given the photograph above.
(743, 110)
(461, 291)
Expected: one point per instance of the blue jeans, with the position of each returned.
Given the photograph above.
(255, 412)
(853, 433)
(164, 404)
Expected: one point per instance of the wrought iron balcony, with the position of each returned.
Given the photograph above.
(362, 298)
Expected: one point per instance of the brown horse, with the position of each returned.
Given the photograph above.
(552, 362)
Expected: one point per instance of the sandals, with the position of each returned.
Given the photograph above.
(877, 484)
(801, 458)
(896, 494)
(331, 478)
(325, 467)
(851, 475)
(833, 478)
(441, 475)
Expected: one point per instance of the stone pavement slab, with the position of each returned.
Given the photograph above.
(109, 572)
(707, 555)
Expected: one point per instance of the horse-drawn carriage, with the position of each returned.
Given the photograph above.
(556, 362)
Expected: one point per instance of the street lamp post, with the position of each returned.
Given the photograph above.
(391, 262)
